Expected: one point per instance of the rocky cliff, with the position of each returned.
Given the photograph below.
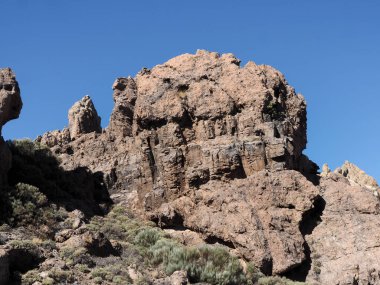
(203, 144)
(211, 151)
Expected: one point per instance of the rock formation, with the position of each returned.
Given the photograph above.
(10, 107)
(212, 151)
(345, 245)
(202, 143)
(83, 118)
(357, 177)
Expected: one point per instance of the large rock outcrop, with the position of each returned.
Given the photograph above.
(204, 144)
(10, 108)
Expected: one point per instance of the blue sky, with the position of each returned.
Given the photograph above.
(328, 50)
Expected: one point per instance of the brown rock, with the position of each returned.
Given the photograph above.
(10, 107)
(95, 243)
(259, 216)
(83, 118)
(357, 177)
(125, 94)
(204, 143)
(10, 99)
(54, 138)
(345, 246)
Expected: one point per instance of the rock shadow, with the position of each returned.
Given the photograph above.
(310, 220)
(76, 189)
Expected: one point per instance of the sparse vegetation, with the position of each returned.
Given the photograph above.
(151, 247)
(274, 110)
(203, 264)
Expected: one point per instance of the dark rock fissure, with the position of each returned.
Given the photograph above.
(215, 240)
(310, 219)
(151, 160)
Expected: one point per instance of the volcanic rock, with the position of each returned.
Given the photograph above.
(83, 118)
(357, 177)
(204, 144)
(10, 107)
(345, 245)
(56, 137)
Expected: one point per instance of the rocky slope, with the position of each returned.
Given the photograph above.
(212, 153)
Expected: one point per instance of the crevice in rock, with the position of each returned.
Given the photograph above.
(239, 172)
(151, 124)
(211, 239)
(173, 222)
(186, 121)
(151, 160)
(310, 219)
(183, 87)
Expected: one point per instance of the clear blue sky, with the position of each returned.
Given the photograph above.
(328, 50)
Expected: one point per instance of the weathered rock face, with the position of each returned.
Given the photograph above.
(83, 118)
(345, 245)
(10, 107)
(204, 97)
(125, 94)
(202, 143)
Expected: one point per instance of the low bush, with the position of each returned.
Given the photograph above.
(117, 274)
(203, 264)
(25, 205)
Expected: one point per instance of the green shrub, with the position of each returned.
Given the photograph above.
(30, 277)
(26, 245)
(118, 226)
(204, 264)
(147, 237)
(112, 272)
(27, 206)
(61, 276)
